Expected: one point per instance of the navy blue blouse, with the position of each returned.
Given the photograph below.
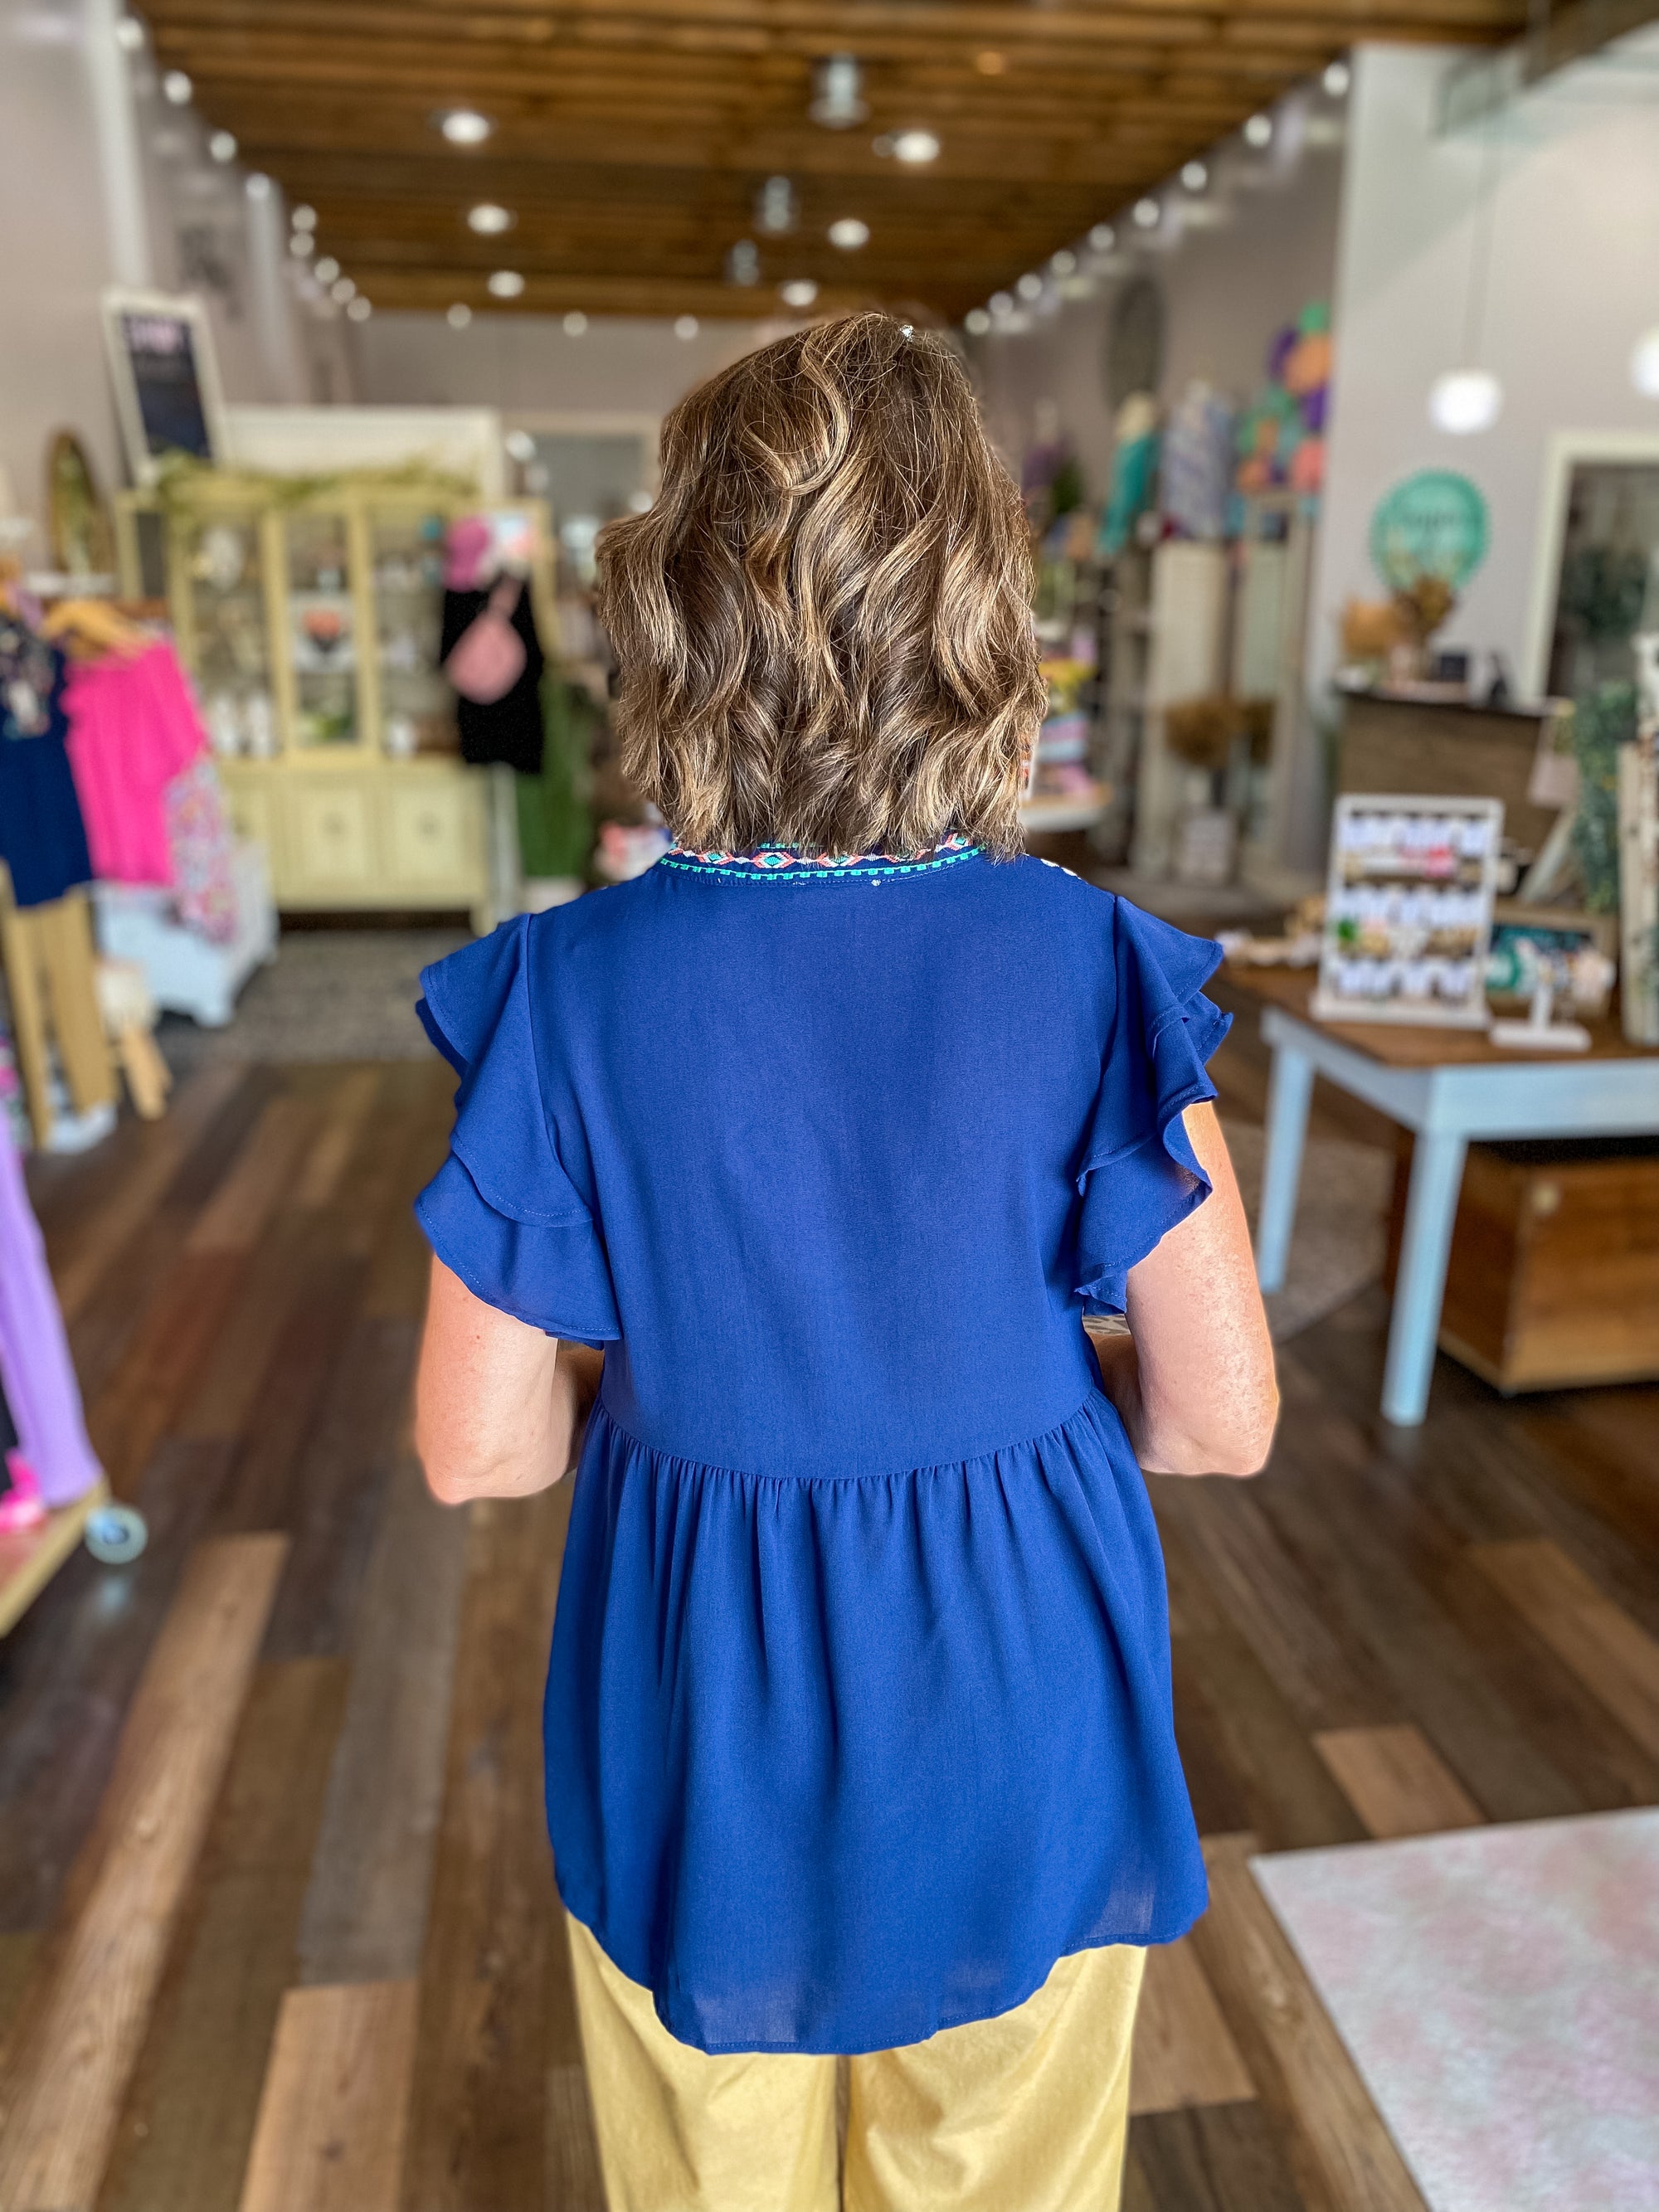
(859, 1713)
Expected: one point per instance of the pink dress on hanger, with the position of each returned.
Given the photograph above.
(150, 794)
(133, 727)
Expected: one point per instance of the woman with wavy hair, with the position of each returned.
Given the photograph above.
(790, 1172)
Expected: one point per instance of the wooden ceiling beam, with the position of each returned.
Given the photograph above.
(814, 27)
(431, 291)
(630, 135)
(1118, 157)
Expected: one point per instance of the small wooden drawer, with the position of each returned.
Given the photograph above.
(429, 843)
(252, 814)
(1553, 1278)
(331, 843)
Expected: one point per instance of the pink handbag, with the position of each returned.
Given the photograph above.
(488, 657)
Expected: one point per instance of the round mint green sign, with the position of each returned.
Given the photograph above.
(1434, 524)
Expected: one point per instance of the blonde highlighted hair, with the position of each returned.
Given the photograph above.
(823, 624)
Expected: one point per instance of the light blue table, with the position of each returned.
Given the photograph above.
(1478, 1090)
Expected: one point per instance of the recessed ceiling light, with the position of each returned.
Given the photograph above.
(344, 290)
(130, 33)
(1259, 132)
(1148, 213)
(303, 217)
(575, 323)
(685, 326)
(489, 220)
(1195, 176)
(1064, 262)
(259, 186)
(222, 146)
(990, 63)
(1337, 79)
(976, 322)
(1001, 303)
(848, 232)
(915, 147)
(302, 244)
(799, 292)
(520, 446)
(360, 310)
(505, 284)
(327, 270)
(459, 316)
(1029, 286)
(176, 87)
(1103, 238)
(465, 126)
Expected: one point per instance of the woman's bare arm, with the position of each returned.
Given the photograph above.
(1194, 1377)
(498, 1407)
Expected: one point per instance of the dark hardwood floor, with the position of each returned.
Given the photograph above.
(278, 1925)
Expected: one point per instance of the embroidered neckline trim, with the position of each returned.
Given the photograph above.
(787, 864)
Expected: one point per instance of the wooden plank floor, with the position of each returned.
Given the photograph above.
(277, 1920)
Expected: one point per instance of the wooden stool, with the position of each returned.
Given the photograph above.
(128, 1014)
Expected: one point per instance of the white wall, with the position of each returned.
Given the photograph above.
(101, 182)
(1574, 281)
(1226, 289)
(57, 253)
(528, 364)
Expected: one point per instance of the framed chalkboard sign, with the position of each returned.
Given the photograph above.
(166, 377)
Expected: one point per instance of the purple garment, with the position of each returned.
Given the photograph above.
(35, 1356)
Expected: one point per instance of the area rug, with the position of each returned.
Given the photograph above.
(329, 994)
(1338, 1246)
(1499, 1991)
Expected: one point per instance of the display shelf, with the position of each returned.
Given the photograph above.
(310, 622)
(29, 1557)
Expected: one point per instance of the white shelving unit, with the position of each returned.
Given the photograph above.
(1187, 626)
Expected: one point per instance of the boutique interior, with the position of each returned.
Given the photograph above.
(1323, 343)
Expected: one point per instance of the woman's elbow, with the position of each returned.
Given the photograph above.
(1245, 1448)
(456, 1472)
(1237, 1446)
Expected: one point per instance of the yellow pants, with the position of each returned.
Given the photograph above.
(1022, 2113)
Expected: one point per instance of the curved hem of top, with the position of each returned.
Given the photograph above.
(872, 1475)
(863, 2050)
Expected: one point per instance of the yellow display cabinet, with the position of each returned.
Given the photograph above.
(309, 623)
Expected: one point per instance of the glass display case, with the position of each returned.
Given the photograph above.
(224, 627)
(322, 640)
(310, 624)
(406, 576)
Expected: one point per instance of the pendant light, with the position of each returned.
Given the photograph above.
(1469, 400)
(838, 100)
(776, 208)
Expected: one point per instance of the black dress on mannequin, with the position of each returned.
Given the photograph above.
(507, 730)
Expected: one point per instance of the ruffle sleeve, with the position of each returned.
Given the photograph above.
(1138, 1176)
(501, 1213)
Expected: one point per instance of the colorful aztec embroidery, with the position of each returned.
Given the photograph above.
(787, 864)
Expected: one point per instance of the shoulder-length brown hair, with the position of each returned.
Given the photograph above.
(823, 624)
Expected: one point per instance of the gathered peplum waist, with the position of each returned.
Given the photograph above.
(1094, 1407)
(800, 1730)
